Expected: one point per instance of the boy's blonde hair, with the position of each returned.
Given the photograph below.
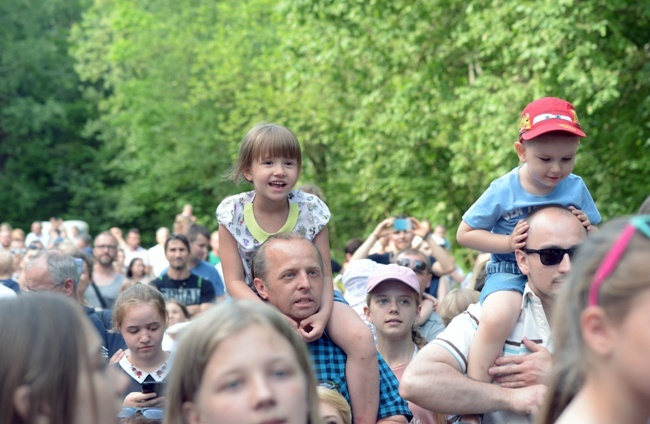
(265, 139)
(335, 399)
(455, 303)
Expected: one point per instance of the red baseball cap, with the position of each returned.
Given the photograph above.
(546, 115)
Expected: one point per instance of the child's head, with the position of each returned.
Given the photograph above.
(243, 345)
(265, 140)
(455, 303)
(393, 301)
(49, 364)
(140, 309)
(548, 115)
(598, 312)
(334, 409)
(177, 311)
(549, 135)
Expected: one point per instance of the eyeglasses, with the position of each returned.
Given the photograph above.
(418, 266)
(552, 256)
(26, 289)
(106, 246)
(607, 266)
(150, 413)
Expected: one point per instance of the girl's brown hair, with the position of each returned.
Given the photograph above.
(133, 294)
(263, 140)
(43, 347)
(572, 358)
(205, 334)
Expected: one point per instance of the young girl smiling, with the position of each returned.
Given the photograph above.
(270, 159)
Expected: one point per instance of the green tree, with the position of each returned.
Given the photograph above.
(44, 161)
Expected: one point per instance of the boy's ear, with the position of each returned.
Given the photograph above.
(521, 151)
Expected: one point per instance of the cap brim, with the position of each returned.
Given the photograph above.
(550, 126)
(374, 284)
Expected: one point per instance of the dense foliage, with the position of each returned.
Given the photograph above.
(401, 106)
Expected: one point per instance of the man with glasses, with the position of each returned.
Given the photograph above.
(435, 379)
(107, 280)
(53, 271)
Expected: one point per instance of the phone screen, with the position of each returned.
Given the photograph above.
(152, 387)
(402, 224)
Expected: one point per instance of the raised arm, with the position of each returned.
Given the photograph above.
(233, 270)
(364, 249)
(444, 261)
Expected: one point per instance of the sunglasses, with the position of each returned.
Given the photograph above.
(613, 256)
(418, 266)
(150, 413)
(552, 256)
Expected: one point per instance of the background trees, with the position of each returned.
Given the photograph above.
(401, 106)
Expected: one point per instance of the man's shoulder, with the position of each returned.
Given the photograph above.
(6, 292)
(156, 249)
(204, 267)
(457, 336)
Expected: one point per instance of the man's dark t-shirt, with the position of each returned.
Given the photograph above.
(193, 290)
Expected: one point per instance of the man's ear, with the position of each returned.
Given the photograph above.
(598, 331)
(21, 401)
(68, 287)
(190, 413)
(522, 261)
(521, 151)
(261, 288)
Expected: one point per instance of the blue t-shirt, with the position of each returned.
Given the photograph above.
(13, 285)
(506, 202)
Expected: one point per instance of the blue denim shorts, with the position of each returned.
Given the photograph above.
(503, 276)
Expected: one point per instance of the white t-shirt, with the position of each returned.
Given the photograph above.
(532, 323)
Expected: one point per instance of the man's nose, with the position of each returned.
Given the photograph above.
(565, 265)
(303, 281)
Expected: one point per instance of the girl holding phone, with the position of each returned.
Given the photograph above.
(140, 316)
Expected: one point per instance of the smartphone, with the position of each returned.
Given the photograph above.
(152, 387)
(403, 224)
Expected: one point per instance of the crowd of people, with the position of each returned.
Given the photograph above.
(256, 323)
